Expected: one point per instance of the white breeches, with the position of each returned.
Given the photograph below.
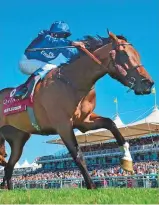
(29, 66)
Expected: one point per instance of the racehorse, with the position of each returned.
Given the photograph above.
(65, 100)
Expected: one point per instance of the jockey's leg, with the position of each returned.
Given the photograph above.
(40, 74)
(37, 69)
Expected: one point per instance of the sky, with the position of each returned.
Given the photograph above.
(137, 20)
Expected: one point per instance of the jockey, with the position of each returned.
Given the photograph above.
(39, 63)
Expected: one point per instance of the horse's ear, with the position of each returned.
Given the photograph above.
(112, 36)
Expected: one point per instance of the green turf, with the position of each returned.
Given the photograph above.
(81, 196)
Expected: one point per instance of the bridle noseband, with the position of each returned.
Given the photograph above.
(132, 80)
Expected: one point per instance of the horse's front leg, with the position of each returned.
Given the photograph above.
(97, 122)
(65, 130)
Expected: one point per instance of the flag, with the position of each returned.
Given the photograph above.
(153, 90)
(115, 100)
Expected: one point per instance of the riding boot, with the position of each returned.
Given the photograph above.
(26, 91)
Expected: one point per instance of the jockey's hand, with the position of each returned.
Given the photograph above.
(78, 44)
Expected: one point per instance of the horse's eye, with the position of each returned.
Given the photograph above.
(123, 53)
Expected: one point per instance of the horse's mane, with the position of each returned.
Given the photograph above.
(122, 37)
(94, 42)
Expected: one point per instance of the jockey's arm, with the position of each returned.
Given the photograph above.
(64, 42)
(78, 43)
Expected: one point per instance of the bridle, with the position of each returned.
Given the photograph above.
(131, 80)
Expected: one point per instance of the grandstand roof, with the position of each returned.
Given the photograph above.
(145, 126)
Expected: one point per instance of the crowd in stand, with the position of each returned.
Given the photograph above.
(111, 145)
(140, 168)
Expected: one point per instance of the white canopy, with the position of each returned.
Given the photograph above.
(148, 125)
(35, 166)
(17, 166)
(118, 121)
(25, 164)
(152, 118)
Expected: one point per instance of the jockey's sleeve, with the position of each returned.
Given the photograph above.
(35, 42)
(38, 39)
(57, 42)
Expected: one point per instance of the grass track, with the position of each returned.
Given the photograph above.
(81, 196)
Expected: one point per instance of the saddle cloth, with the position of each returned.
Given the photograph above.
(12, 105)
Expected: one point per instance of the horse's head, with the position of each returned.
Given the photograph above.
(3, 153)
(125, 66)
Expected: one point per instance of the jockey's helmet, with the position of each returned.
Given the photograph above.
(61, 28)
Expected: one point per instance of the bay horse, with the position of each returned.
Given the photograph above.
(65, 100)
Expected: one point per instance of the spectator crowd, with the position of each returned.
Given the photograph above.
(99, 165)
(140, 168)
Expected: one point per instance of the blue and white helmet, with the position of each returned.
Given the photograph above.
(60, 27)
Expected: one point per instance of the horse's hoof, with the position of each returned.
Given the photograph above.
(127, 165)
(2, 186)
(92, 186)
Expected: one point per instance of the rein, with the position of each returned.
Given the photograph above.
(40, 49)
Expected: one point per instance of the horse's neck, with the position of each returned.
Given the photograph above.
(84, 72)
(103, 52)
